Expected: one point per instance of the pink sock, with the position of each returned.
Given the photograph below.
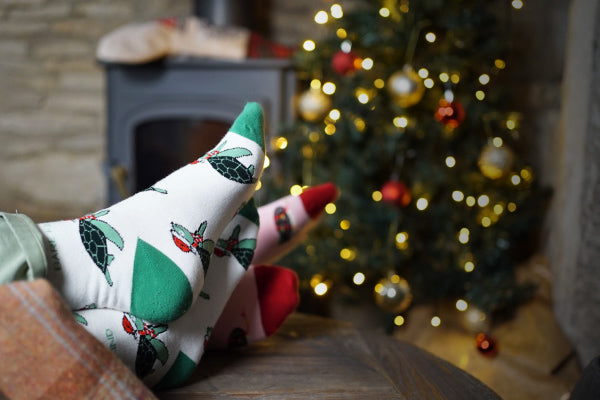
(259, 305)
(285, 222)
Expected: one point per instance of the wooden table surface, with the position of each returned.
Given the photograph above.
(319, 358)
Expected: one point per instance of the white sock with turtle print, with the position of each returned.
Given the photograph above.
(148, 254)
(162, 355)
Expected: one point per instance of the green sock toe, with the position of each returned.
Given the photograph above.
(250, 124)
(161, 293)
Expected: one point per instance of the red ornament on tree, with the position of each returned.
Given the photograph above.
(486, 345)
(396, 192)
(451, 114)
(343, 63)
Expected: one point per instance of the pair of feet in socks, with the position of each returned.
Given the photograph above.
(151, 276)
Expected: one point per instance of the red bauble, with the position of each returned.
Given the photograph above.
(396, 192)
(344, 63)
(451, 114)
(486, 345)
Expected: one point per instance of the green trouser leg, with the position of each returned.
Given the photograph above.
(22, 255)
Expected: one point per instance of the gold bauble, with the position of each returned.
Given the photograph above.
(406, 87)
(393, 294)
(313, 104)
(495, 162)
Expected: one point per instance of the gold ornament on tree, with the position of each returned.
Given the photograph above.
(393, 294)
(313, 104)
(495, 161)
(406, 87)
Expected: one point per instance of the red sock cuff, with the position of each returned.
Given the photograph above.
(277, 295)
(317, 197)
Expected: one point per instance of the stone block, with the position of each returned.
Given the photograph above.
(82, 80)
(13, 48)
(45, 123)
(60, 47)
(52, 180)
(41, 11)
(90, 103)
(120, 10)
(18, 28)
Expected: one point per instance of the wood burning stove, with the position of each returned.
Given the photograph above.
(165, 114)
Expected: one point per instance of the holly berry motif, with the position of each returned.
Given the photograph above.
(94, 235)
(226, 163)
(242, 250)
(149, 348)
(283, 224)
(193, 242)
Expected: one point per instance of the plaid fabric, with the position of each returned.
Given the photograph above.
(46, 354)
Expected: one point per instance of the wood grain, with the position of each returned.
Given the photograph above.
(319, 358)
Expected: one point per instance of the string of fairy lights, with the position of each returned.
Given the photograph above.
(495, 160)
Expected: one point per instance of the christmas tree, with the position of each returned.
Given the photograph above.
(403, 108)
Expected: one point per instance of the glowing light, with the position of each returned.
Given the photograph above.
(329, 129)
(455, 78)
(384, 12)
(360, 124)
(480, 95)
(321, 289)
(457, 196)
(399, 320)
(363, 98)
(309, 45)
(512, 207)
(330, 208)
(428, 83)
(517, 4)
(315, 84)
(515, 179)
(347, 254)
(321, 17)
(376, 195)
(497, 142)
(367, 63)
(423, 73)
(314, 136)
(511, 124)
(498, 209)
(358, 278)
(483, 200)
(461, 305)
(471, 201)
(346, 46)
(336, 11)
(469, 266)
(267, 162)
(486, 221)
(379, 83)
(422, 203)
(463, 236)
(401, 122)
(436, 321)
(395, 278)
(484, 79)
(401, 237)
(444, 77)
(341, 33)
(430, 37)
(450, 161)
(329, 88)
(500, 64)
(258, 186)
(345, 224)
(280, 142)
(295, 190)
(526, 174)
(334, 114)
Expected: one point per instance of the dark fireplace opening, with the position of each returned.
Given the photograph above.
(166, 144)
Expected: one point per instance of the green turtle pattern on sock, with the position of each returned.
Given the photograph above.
(242, 250)
(149, 348)
(193, 242)
(226, 163)
(94, 234)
